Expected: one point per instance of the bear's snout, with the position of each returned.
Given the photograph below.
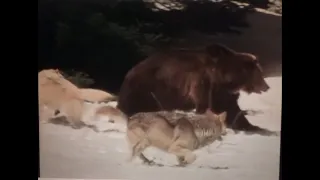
(265, 87)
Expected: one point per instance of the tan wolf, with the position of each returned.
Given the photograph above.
(58, 96)
(175, 132)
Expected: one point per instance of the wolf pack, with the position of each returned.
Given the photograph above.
(175, 131)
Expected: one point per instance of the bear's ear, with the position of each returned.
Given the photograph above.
(219, 51)
(249, 57)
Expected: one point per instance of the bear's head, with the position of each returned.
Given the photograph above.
(237, 71)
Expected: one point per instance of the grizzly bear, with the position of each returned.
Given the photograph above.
(186, 79)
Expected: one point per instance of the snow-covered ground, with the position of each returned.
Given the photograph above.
(69, 153)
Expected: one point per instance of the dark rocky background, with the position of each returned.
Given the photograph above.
(96, 42)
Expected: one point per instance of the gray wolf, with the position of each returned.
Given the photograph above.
(177, 133)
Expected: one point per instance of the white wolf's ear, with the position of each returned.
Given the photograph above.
(223, 116)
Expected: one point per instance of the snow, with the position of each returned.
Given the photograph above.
(85, 154)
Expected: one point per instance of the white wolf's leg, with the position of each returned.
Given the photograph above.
(45, 114)
(73, 111)
(75, 123)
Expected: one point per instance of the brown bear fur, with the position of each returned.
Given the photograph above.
(183, 79)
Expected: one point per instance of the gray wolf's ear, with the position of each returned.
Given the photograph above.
(208, 111)
(211, 114)
(223, 116)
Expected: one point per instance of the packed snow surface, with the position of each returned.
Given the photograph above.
(85, 154)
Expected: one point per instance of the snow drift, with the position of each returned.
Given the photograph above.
(83, 153)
